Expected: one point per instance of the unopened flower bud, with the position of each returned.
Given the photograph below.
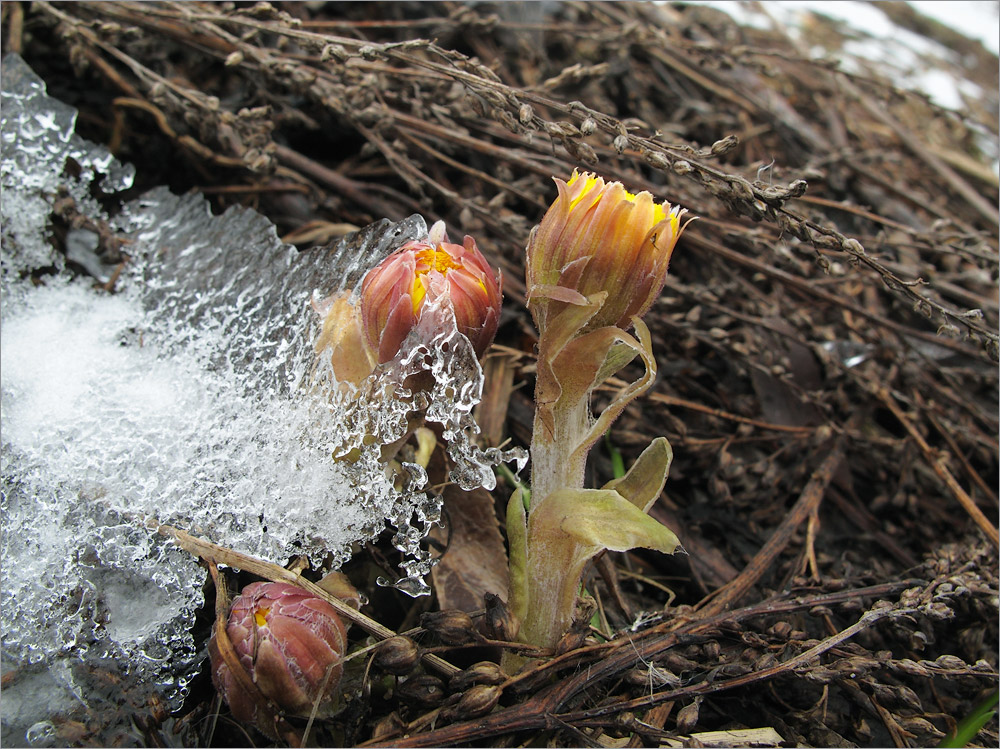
(599, 238)
(395, 293)
(484, 672)
(290, 643)
(397, 655)
(452, 627)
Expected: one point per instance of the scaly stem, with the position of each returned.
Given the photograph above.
(555, 565)
(548, 583)
(554, 561)
(552, 465)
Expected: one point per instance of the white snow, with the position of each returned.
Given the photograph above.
(894, 51)
(190, 396)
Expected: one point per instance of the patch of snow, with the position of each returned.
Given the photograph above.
(878, 42)
(192, 396)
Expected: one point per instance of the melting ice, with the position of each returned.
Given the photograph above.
(190, 396)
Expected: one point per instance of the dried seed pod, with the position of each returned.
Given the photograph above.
(644, 676)
(766, 660)
(389, 726)
(781, 630)
(683, 167)
(290, 644)
(921, 728)
(687, 716)
(452, 626)
(574, 638)
(653, 158)
(678, 663)
(724, 146)
(501, 624)
(423, 690)
(397, 655)
(478, 701)
(484, 672)
(586, 154)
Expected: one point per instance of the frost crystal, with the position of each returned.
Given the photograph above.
(192, 397)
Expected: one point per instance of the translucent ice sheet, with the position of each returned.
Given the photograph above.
(191, 396)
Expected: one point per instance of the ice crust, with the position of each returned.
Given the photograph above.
(192, 396)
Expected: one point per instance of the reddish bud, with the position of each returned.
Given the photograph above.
(290, 643)
(395, 293)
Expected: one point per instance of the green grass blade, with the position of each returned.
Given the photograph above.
(973, 723)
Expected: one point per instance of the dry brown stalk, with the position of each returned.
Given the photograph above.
(936, 463)
(803, 509)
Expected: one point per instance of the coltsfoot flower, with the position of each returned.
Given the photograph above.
(395, 293)
(598, 237)
(290, 643)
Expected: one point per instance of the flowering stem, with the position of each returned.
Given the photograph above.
(553, 465)
(595, 264)
(555, 565)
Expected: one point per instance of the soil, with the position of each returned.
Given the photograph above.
(826, 341)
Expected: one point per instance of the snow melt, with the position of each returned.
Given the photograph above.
(191, 396)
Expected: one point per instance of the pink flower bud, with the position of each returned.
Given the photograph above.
(395, 293)
(291, 644)
(597, 237)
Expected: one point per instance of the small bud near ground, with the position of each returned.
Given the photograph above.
(290, 644)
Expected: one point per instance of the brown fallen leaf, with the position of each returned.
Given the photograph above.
(475, 558)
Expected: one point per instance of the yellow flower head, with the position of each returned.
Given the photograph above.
(395, 293)
(598, 237)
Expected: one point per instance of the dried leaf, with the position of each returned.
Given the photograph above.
(475, 561)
